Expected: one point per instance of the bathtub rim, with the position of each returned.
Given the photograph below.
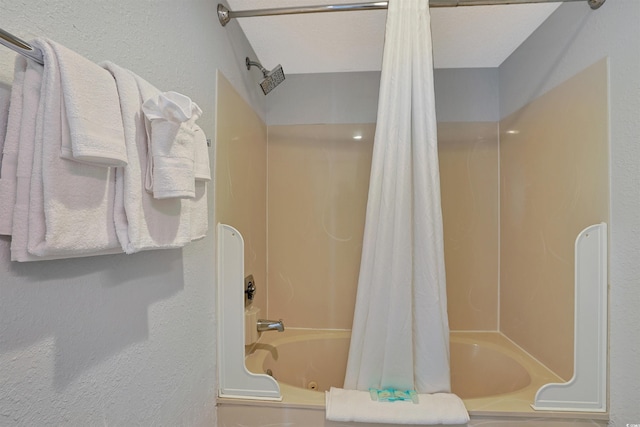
(478, 407)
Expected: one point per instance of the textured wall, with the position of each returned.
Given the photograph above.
(573, 38)
(325, 98)
(467, 95)
(119, 340)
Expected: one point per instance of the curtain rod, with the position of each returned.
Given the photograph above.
(225, 15)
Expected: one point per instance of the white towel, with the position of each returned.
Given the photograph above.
(199, 220)
(170, 168)
(63, 208)
(202, 173)
(90, 111)
(6, 200)
(353, 405)
(143, 222)
(10, 149)
(202, 170)
(30, 110)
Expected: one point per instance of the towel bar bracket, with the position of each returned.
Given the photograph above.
(22, 47)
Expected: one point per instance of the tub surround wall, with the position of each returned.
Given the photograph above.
(240, 180)
(318, 184)
(467, 110)
(571, 39)
(316, 221)
(554, 167)
(468, 153)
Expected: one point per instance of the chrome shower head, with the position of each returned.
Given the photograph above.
(271, 78)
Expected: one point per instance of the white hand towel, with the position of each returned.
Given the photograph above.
(199, 220)
(31, 107)
(7, 198)
(202, 170)
(202, 173)
(10, 149)
(68, 205)
(90, 111)
(143, 222)
(353, 405)
(170, 167)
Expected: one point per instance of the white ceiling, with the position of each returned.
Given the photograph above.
(463, 37)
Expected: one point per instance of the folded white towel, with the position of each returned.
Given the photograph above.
(202, 173)
(202, 170)
(63, 208)
(199, 221)
(24, 167)
(353, 405)
(170, 167)
(143, 222)
(90, 111)
(10, 149)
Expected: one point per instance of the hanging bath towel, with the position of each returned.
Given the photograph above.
(10, 145)
(63, 208)
(142, 221)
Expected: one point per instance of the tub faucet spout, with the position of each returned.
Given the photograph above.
(270, 325)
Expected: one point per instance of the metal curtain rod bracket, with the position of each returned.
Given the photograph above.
(20, 46)
(225, 15)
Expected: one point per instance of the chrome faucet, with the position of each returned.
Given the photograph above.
(270, 325)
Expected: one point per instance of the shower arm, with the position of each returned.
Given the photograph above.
(225, 15)
(251, 63)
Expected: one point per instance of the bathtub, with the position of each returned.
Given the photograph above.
(492, 375)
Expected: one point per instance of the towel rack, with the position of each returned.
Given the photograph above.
(20, 46)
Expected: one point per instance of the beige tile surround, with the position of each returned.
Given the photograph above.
(318, 183)
(468, 154)
(240, 184)
(554, 166)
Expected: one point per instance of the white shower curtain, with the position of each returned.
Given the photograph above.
(400, 334)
